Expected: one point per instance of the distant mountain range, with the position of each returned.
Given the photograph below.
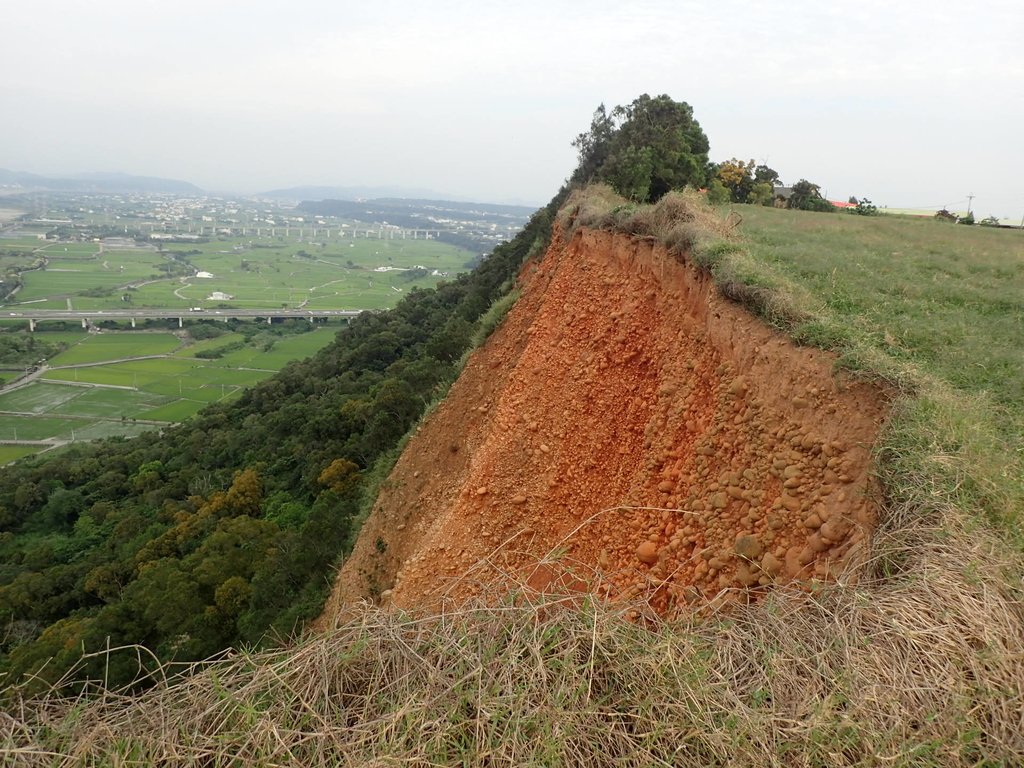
(351, 193)
(21, 181)
(363, 193)
(95, 182)
(412, 212)
(476, 227)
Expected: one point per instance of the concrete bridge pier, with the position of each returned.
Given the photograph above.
(85, 323)
(31, 324)
(133, 322)
(180, 323)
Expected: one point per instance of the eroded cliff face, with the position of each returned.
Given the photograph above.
(630, 432)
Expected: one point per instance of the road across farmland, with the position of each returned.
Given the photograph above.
(88, 317)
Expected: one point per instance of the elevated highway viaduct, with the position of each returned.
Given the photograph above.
(87, 317)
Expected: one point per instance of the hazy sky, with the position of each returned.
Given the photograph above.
(908, 103)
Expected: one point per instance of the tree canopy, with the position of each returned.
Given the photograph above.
(746, 182)
(644, 149)
(807, 197)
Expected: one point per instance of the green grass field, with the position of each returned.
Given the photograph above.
(112, 346)
(935, 310)
(71, 249)
(947, 298)
(9, 453)
(92, 396)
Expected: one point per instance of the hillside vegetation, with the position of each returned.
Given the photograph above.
(916, 662)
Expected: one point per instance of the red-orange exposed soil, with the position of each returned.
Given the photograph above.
(627, 430)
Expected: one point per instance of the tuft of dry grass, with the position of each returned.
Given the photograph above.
(681, 220)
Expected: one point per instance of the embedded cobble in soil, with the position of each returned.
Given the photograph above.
(629, 432)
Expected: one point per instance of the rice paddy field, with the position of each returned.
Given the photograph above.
(121, 382)
(127, 382)
(339, 273)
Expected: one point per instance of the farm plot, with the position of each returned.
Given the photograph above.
(130, 375)
(70, 249)
(117, 399)
(210, 345)
(284, 350)
(100, 386)
(89, 398)
(9, 453)
(39, 398)
(105, 272)
(21, 245)
(338, 275)
(11, 258)
(54, 399)
(37, 428)
(63, 337)
(103, 402)
(36, 304)
(115, 346)
(176, 411)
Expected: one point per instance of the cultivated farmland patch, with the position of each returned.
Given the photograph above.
(102, 347)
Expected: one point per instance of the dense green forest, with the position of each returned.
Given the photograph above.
(225, 530)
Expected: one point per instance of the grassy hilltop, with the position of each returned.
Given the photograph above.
(934, 308)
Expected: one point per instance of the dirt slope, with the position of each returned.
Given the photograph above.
(626, 430)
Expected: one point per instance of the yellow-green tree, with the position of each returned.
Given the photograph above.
(737, 177)
(339, 475)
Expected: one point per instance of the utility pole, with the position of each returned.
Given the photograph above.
(970, 199)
